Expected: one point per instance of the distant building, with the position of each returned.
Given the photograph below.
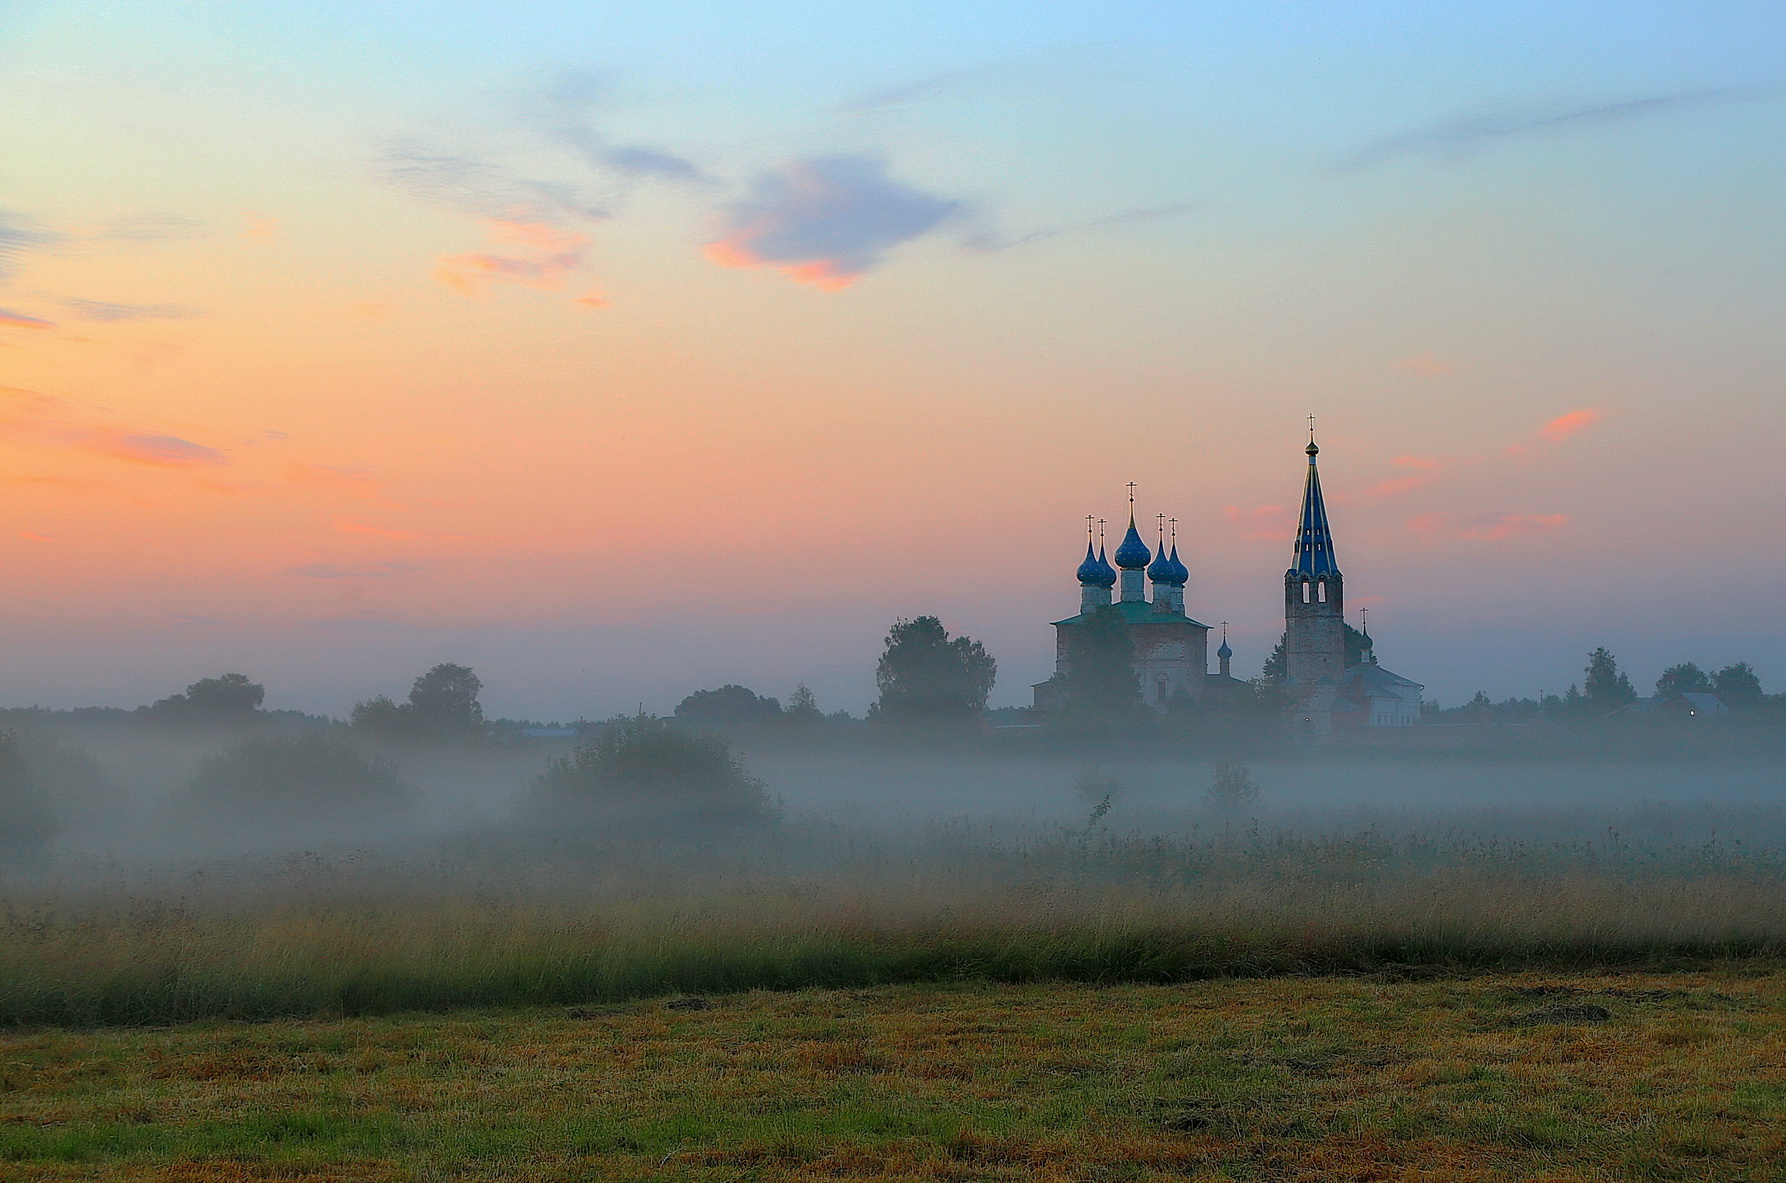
(1172, 648)
(1327, 693)
(1691, 704)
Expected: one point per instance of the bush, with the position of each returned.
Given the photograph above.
(307, 779)
(26, 822)
(1231, 787)
(647, 770)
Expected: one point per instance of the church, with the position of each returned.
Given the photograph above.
(1328, 693)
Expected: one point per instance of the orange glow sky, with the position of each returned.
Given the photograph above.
(333, 348)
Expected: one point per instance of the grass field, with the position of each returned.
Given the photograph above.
(1510, 1077)
(308, 938)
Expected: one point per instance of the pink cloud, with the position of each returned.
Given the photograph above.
(1486, 528)
(546, 255)
(1430, 365)
(1269, 522)
(350, 526)
(1509, 525)
(1557, 430)
(46, 421)
(260, 229)
(1564, 426)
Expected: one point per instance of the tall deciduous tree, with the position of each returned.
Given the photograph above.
(1684, 678)
(1737, 686)
(443, 703)
(925, 674)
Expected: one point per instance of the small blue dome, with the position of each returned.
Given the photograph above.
(1133, 554)
(1224, 651)
(1181, 574)
(1161, 571)
(1090, 572)
(1106, 573)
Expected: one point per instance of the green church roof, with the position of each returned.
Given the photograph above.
(1140, 612)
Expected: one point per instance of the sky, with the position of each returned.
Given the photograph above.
(620, 351)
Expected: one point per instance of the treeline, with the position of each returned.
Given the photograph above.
(1606, 693)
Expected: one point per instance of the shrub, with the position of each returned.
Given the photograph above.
(1232, 786)
(647, 770)
(26, 822)
(306, 778)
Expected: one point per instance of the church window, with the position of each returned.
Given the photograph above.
(1305, 591)
(1321, 592)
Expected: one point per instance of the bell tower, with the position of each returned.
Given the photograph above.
(1314, 593)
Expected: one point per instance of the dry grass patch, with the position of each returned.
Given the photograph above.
(1291, 1078)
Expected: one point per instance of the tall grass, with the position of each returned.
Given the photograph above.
(502, 924)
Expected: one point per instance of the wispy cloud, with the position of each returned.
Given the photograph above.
(160, 451)
(153, 227)
(385, 570)
(109, 313)
(988, 241)
(353, 526)
(1456, 138)
(1564, 426)
(51, 422)
(18, 320)
(542, 256)
(1427, 365)
(484, 188)
(1487, 527)
(905, 95)
(563, 111)
(1557, 430)
(1271, 523)
(18, 236)
(826, 220)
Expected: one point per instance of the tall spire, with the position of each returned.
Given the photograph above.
(1314, 541)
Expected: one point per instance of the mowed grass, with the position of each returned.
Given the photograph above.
(1449, 1078)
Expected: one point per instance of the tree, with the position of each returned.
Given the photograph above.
(729, 704)
(1100, 673)
(926, 675)
(1605, 688)
(1685, 678)
(1737, 687)
(443, 704)
(644, 769)
(445, 700)
(802, 709)
(227, 698)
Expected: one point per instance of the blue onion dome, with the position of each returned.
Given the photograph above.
(1181, 574)
(1106, 573)
(1224, 651)
(1133, 554)
(1162, 570)
(1090, 571)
